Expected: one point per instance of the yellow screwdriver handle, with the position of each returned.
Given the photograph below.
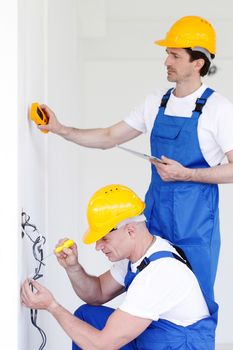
(67, 244)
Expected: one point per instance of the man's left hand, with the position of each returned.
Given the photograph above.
(171, 170)
(39, 298)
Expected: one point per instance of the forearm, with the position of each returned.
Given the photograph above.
(220, 174)
(84, 335)
(87, 287)
(103, 138)
(120, 329)
(92, 138)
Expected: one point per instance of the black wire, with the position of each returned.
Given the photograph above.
(38, 254)
(34, 314)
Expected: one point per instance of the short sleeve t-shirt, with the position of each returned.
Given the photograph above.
(165, 289)
(215, 124)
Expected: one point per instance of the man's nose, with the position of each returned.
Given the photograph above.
(99, 244)
(167, 61)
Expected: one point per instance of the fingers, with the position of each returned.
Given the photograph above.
(42, 127)
(46, 109)
(66, 251)
(40, 298)
(49, 114)
(167, 160)
(161, 160)
(61, 241)
(27, 289)
(26, 293)
(37, 285)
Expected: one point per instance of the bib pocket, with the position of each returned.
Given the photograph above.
(167, 132)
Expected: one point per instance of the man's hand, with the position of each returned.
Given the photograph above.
(41, 298)
(172, 170)
(68, 258)
(53, 124)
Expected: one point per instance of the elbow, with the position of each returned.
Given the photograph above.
(111, 340)
(108, 146)
(103, 345)
(108, 139)
(229, 177)
(96, 301)
(108, 143)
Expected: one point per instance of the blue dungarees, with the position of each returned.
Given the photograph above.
(161, 334)
(185, 213)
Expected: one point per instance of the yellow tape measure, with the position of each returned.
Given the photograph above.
(38, 116)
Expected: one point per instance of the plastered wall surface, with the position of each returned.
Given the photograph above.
(32, 147)
(92, 62)
(9, 301)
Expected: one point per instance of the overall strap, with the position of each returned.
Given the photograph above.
(146, 261)
(158, 255)
(165, 99)
(182, 257)
(200, 102)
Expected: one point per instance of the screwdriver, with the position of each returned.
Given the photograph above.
(67, 244)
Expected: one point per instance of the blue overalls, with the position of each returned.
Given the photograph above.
(185, 213)
(161, 334)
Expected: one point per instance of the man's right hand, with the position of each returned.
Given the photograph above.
(53, 124)
(68, 258)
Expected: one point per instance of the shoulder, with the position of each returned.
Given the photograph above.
(218, 100)
(217, 111)
(157, 95)
(164, 278)
(165, 269)
(142, 116)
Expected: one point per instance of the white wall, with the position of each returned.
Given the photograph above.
(92, 61)
(32, 146)
(48, 69)
(63, 165)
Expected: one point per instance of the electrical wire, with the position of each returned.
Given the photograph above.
(31, 230)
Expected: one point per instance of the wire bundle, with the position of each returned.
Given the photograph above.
(31, 230)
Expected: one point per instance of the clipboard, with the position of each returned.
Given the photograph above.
(139, 154)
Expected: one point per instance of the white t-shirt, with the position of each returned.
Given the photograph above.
(215, 125)
(165, 289)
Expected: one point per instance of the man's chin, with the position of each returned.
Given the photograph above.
(112, 259)
(169, 78)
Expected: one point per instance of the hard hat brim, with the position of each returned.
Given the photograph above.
(161, 42)
(91, 236)
(166, 43)
(181, 45)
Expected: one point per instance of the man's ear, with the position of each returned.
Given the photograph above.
(199, 63)
(131, 228)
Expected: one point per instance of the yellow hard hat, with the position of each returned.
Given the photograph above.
(108, 207)
(190, 31)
